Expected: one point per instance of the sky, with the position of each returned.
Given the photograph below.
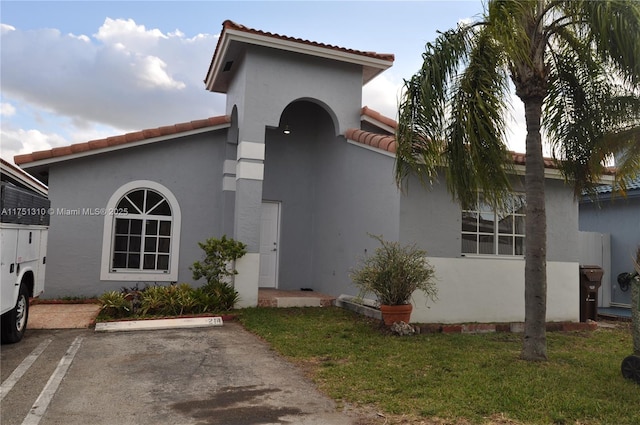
(74, 71)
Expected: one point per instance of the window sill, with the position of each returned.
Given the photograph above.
(493, 256)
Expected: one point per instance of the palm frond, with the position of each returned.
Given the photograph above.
(452, 116)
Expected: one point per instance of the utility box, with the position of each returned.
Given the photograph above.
(590, 281)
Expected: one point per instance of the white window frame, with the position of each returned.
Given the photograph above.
(495, 234)
(106, 272)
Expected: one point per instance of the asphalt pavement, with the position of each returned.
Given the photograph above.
(221, 375)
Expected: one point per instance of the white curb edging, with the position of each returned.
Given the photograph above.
(141, 325)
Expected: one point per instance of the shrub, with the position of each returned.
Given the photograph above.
(218, 263)
(114, 304)
(394, 272)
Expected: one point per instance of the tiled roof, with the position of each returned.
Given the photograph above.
(379, 141)
(379, 117)
(136, 136)
(228, 24)
(233, 36)
(631, 184)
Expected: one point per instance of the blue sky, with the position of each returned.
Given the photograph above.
(80, 70)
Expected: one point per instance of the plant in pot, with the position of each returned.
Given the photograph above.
(393, 273)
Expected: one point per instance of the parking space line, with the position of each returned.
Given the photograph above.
(42, 402)
(22, 368)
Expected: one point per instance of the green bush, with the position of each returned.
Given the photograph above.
(115, 304)
(175, 300)
(171, 300)
(218, 263)
(394, 272)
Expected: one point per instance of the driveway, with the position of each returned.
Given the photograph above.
(205, 376)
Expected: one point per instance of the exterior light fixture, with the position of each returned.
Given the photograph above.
(286, 130)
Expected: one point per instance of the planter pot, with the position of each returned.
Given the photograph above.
(396, 313)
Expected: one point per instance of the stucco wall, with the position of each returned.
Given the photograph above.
(620, 218)
(332, 194)
(490, 288)
(190, 167)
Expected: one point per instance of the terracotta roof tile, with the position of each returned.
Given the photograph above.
(123, 139)
(388, 143)
(380, 141)
(379, 117)
(228, 24)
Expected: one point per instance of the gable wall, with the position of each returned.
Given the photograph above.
(268, 80)
(191, 168)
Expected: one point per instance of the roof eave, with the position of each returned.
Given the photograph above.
(372, 67)
(55, 159)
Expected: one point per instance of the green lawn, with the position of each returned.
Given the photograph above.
(455, 376)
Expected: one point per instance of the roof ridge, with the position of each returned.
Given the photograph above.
(229, 24)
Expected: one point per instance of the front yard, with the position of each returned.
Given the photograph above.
(455, 378)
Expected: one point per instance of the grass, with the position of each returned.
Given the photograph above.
(462, 378)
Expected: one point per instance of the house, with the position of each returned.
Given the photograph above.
(302, 174)
(617, 218)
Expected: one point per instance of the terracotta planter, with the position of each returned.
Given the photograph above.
(396, 313)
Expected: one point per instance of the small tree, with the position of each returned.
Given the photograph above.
(218, 263)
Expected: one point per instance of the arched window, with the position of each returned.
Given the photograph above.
(141, 234)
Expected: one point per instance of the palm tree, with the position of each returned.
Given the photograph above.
(575, 64)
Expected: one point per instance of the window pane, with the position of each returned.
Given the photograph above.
(519, 228)
(487, 223)
(134, 243)
(505, 225)
(485, 244)
(164, 244)
(505, 245)
(469, 244)
(469, 221)
(122, 226)
(121, 243)
(149, 244)
(152, 227)
(163, 262)
(137, 199)
(152, 200)
(134, 261)
(162, 209)
(125, 205)
(165, 228)
(519, 246)
(119, 261)
(136, 227)
(149, 262)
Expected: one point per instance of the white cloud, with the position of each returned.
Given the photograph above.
(4, 28)
(7, 109)
(382, 94)
(124, 78)
(152, 72)
(20, 141)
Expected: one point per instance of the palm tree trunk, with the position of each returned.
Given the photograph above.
(535, 274)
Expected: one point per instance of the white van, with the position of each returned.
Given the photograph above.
(24, 225)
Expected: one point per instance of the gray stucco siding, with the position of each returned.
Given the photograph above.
(190, 167)
(619, 217)
(332, 194)
(269, 80)
(431, 218)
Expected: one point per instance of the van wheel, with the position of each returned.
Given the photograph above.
(14, 322)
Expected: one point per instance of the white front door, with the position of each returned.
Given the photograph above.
(269, 233)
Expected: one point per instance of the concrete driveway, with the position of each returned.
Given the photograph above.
(204, 376)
